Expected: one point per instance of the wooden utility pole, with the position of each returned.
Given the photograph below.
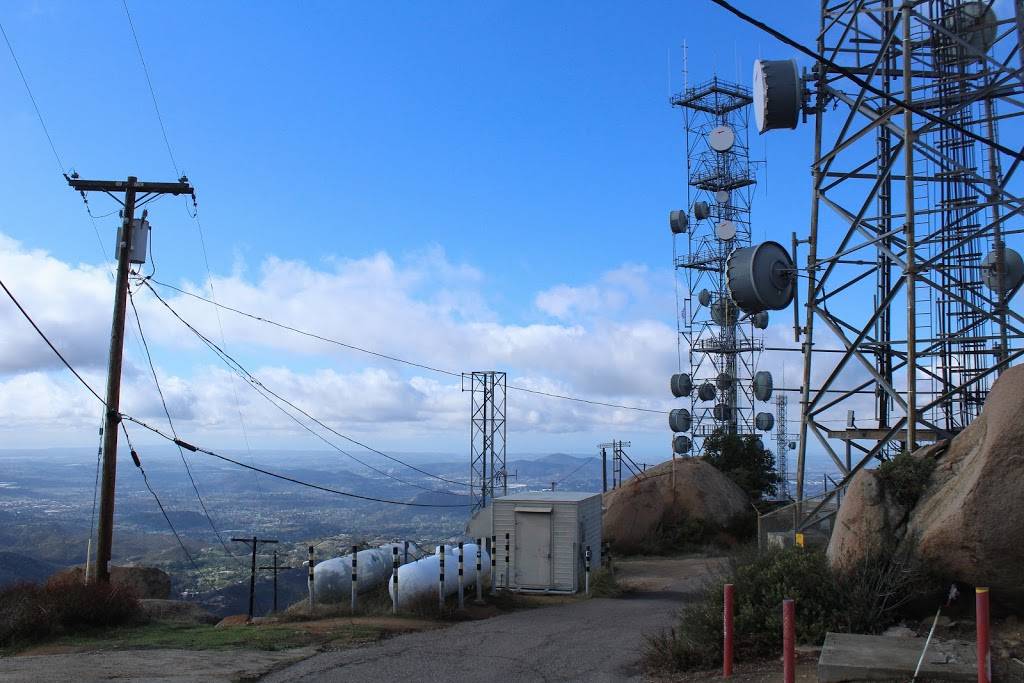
(604, 469)
(254, 543)
(276, 568)
(132, 190)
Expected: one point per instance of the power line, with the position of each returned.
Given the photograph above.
(196, 449)
(223, 341)
(95, 494)
(592, 402)
(258, 385)
(397, 359)
(202, 239)
(576, 470)
(270, 397)
(35, 105)
(49, 139)
(86, 385)
(312, 335)
(145, 478)
(1019, 156)
(53, 348)
(170, 422)
(152, 91)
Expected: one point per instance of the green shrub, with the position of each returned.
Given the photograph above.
(745, 460)
(603, 584)
(680, 533)
(906, 477)
(31, 612)
(868, 598)
(877, 591)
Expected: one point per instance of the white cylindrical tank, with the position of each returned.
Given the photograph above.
(422, 578)
(332, 579)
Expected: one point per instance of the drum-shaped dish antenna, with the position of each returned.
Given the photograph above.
(679, 420)
(761, 277)
(679, 222)
(762, 385)
(681, 384)
(778, 94)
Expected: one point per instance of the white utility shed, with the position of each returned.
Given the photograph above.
(548, 533)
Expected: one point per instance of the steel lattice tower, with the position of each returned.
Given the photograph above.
(487, 474)
(912, 214)
(723, 347)
(782, 442)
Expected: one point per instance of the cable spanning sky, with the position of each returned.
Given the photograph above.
(478, 187)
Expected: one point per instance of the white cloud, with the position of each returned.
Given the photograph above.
(615, 290)
(423, 307)
(71, 303)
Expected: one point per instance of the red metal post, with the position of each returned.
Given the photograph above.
(984, 654)
(727, 632)
(788, 641)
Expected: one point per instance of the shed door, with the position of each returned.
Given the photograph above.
(533, 549)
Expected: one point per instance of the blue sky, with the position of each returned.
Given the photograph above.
(478, 160)
(532, 141)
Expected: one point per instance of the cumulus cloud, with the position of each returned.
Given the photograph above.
(71, 302)
(421, 306)
(614, 291)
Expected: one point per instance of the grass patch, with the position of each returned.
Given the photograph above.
(186, 637)
(269, 637)
(603, 584)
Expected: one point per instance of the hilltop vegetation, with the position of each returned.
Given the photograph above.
(33, 612)
(864, 599)
(745, 460)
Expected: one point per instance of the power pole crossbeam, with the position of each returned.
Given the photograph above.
(253, 544)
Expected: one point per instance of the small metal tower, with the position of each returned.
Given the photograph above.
(782, 443)
(620, 458)
(487, 474)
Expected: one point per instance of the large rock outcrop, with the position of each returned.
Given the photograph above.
(969, 521)
(638, 514)
(868, 521)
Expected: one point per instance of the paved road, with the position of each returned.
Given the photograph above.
(593, 640)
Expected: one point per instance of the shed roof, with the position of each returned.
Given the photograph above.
(548, 496)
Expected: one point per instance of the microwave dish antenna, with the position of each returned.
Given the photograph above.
(721, 138)
(778, 94)
(761, 277)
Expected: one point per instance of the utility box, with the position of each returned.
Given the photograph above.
(140, 241)
(548, 534)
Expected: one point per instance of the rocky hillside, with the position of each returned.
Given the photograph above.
(672, 503)
(968, 520)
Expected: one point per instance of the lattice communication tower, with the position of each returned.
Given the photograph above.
(487, 474)
(723, 344)
(914, 247)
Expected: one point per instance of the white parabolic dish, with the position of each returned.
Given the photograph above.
(722, 138)
(725, 231)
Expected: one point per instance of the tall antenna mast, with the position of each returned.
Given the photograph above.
(908, 271)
